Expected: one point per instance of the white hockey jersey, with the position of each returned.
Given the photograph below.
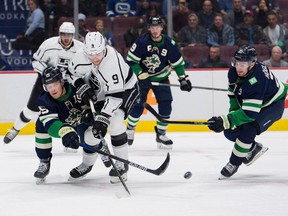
(52, 54)
(110, 78)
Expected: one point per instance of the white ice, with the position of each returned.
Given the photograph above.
(259, 189)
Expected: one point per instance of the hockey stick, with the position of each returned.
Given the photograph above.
(178, 85)
(107, 150)
(157, 171)
(159, 117)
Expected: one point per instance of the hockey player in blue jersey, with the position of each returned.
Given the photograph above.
(60, 116)
(152, 57)
(256, 101)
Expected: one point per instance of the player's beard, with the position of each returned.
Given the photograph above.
(156, 37)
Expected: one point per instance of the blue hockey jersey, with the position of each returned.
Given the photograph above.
(156, 58)
(248, 95)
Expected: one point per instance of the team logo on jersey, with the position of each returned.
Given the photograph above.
(62, 63)
(74, 117)
(152, 63)
(253, 80)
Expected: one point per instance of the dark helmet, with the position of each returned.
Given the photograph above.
(154, 21)
(51, 75)
(245, 54)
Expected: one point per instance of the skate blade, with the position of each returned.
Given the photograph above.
(221, 177)
(69, 150)
(40, 181)
(116, 180)
(72, 179)
(260, 153)
(162, 146)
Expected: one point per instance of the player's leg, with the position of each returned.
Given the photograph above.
(88, 157)
(164, 99)
(29, 112)
(136, 111)
(117, 131)
(43, 148)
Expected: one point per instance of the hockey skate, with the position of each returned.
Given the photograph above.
(12, 133)
(42, 171)
(79, 171)
(122, 169)
(257, 151)
(163, 142)
(130, 136)
(228, 171)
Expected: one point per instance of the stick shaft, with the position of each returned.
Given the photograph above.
(195, 87)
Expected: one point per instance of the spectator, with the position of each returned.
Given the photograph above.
(261, 14)
(227, 6)
(207, 14)
(196, 5)
(248, 33)
(35, 29)
(164, 7)
(192, 34)
(235, 17)
(271, 4)
(220, 33)
(92, 7)
(63, 8)
(213, 60)
(116, 8)
(180, 15)
(275, 32)
(108, 36)
(143, 6)
(132, 34)
(275, 59)
(82, 26)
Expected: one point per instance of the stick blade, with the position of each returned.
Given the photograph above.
(163, 167)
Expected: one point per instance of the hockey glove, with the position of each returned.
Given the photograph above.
(85, 92)
(185, 84)
(219, 123)
(69, 136)
(100, 126)
(87, 117)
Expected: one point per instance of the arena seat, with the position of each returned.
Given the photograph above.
(194, 54)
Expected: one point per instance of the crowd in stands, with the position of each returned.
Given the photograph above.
(218, 25)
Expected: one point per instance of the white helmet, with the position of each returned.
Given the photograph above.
(94, 43)
(67, 27)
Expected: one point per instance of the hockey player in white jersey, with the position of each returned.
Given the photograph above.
(53, 52)
(99, 70)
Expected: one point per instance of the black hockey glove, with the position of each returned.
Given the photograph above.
(100, 126)
(85, 92)
(219, 123)
(185, 84)
(87, 117)
(69, 136)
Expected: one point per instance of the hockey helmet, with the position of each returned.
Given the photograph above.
(245, 54)
(67, 27)
(94, 43)
(51, 75)
(155, 21)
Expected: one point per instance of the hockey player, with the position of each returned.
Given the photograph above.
(59, 116)
(151, 57)
(53, 52)
(99, 70)
(256, 102)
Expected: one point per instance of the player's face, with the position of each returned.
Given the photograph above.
(243, 68)
(96, 58)
(55, 89)
(155, 32)
(66, 38)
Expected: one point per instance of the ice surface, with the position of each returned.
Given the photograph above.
(260, 189)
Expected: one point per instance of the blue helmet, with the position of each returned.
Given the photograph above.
(51, 75)
(245, 54)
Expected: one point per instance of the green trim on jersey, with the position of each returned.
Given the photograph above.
(54, 129)
(238, 118)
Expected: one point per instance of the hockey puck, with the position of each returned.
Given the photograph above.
(187, 175)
